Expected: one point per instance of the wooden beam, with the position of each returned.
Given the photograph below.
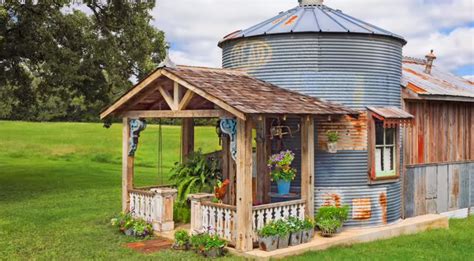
(263, 177)
(127, 167)
(169, 100)
(186, 99)
(176, 95)
(138, 88)
(244, 186)
(307, 164)
(177, 114)
(187, 138)
(205, 95)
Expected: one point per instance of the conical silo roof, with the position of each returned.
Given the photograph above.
(311, 18)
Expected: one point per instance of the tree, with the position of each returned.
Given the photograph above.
(57, 64)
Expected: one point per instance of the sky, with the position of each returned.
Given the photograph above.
(194, 27)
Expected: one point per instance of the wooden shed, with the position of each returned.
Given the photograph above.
(439, 148)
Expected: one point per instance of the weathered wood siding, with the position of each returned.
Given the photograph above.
(438, 188)
(442, 132)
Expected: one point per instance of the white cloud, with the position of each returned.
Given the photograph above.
(194, 27)
(469, 77)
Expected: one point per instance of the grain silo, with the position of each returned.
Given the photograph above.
(325, 53)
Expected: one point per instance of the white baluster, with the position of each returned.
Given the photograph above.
(220, 222)
(277, 213)
(286, 212)
(205, 219)
(260, 219)
(269, 215)
(302, 207)
(227, 224)
(212, 221)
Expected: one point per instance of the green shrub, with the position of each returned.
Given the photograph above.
(142, 229)
(332, 212)
(196, 174)
(181, 238)
(181, 213)
(122, 221)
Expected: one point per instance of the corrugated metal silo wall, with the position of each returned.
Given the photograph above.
(354, 70)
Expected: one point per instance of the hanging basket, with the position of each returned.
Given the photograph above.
(332, 147)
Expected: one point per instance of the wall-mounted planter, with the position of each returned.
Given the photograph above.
(332, 147)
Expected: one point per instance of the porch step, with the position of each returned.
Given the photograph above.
(354, 236)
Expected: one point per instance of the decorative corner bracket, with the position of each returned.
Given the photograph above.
(136, 126)
(229, 127)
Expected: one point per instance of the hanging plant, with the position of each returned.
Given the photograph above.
(333, 138)
(281, 171)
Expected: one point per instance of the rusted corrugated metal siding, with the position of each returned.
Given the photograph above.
(352, 69)
(442, 132)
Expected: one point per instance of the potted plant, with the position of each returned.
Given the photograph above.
(328, 226)
(124, 222)
(142, 229)
(330, 219)
(214, 247)
(295, 226)
(333, 138)
(268, 237)
(283, 233)
(307, 233)
(198, 242)
(281, 171)
(181, 240)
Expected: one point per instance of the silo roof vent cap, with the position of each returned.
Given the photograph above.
(310, 2)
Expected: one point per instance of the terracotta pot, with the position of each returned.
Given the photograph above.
(295, 238)
(307, 236)
(268, 243)
(332, 147)
(283, 241)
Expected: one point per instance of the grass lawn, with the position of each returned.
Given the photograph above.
(60, 185)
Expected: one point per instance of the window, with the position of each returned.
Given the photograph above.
(385, 151)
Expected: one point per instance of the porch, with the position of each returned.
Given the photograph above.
(250, 112)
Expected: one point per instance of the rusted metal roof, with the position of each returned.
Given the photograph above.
(438, 84)
(313, 18)
(252, 96)
(391, 112)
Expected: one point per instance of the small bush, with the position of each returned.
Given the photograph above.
(268, 230)
(332, 212)
(181, 213)
(181, 238)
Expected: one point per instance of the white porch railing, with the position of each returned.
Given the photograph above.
(143, 205)
(265, 214)
(219, 219)
(154, 205)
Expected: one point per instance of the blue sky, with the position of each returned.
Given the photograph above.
(193, 27)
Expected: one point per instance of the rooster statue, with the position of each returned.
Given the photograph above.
(220, 190)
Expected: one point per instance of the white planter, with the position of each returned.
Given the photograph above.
(332, 147)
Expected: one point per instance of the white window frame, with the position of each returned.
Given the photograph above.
(384, 150)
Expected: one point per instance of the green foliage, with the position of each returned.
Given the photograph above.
(332, 212)
(214, 242)
(280, 165)
(268, 230)
(329, 226)
(196, 174)
(181, 238)
(282, 227)
(68, 65)
(122, 221)
(142, 229)
(333, 136)
(307, 224)
(181, 213)
(294, 224)
(199, 241)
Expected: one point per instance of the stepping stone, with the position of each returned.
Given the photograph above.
(151, 246)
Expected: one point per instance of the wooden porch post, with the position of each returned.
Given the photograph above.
(187, 137)
(307, 164)
(127, 166)
(263, 153)
(244, 186)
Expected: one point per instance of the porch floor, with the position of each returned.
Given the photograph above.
(353, 236)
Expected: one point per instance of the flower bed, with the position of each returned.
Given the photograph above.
(132, 227)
